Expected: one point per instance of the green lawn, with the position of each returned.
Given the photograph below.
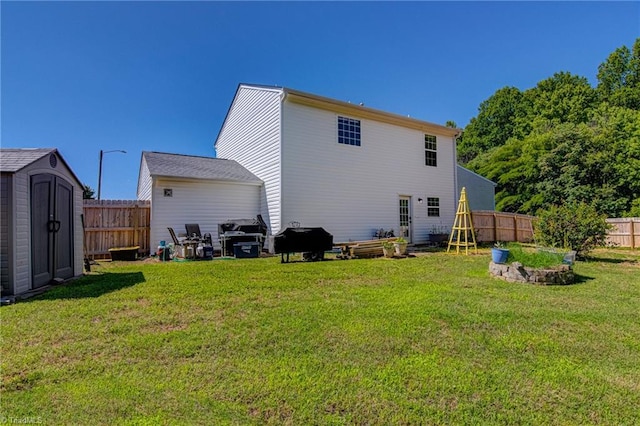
(425, 340)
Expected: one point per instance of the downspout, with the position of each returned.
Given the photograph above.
(283, 98)
(456, 194)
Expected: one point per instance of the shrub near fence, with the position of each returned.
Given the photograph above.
(115, 223)
(625, 232)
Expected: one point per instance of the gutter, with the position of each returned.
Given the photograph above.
(455, 172)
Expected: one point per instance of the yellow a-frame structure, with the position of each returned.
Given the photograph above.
(463, 227)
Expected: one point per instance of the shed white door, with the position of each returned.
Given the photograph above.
(405, 217)
(51, 229)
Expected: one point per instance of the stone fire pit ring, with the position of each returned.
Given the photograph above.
(516, 272)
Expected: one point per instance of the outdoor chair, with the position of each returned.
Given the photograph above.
(176, 242)
(178, 247)
(193, 232)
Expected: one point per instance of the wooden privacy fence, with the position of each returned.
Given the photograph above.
(625, 232)
(115, 223)
(493, 226)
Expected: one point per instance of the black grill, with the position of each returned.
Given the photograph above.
(312, 242)
(249, 226)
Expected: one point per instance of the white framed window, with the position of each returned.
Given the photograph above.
(433, 206)
(430, 151)
(348, 131)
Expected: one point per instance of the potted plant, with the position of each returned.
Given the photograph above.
(400, 246)
(499, 253)
(388, 249)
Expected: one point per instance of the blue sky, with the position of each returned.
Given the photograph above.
(160, 76)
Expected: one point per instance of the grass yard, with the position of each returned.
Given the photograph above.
(425, 340)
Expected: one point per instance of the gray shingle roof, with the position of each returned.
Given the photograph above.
(187, 166)
(14, 159)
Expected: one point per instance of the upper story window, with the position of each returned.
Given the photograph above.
(348, 131)
(430, 151)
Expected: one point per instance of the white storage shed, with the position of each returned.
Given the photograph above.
(40, 220)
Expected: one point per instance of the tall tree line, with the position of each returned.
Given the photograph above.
(563, 140)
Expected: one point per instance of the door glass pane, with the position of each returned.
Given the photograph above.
(404, 212)
(404, 218)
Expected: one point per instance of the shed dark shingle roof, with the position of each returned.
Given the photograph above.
(15, 159)
(193, 167)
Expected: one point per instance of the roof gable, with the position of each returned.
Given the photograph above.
(462, 169)
(13, 160)
(195, 167)
(16, 159)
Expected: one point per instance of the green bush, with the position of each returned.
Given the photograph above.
(572, 226)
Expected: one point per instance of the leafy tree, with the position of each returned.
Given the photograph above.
(634, 211)
(515, 168)
(613, 73)
(618, 133)
(563, 98)
(579, 168)
(88, 193)
(493, 126)
(563, 141)
(619, 77)
(597, 163)
(573, 226)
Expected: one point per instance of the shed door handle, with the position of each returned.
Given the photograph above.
(53, 225)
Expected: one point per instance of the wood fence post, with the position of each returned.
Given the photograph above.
(515, 228)
(633, 232)
(135, 225)
(495, 228)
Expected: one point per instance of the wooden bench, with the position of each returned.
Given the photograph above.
(362, 249)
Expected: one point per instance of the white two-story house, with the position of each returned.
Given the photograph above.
(348, 168)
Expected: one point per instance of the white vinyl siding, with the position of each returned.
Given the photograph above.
(206, 203)
(144, 181)
(251, 136)
(352, 192)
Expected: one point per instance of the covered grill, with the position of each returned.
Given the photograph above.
(249, 226)
(312, 242)
(236, 231)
